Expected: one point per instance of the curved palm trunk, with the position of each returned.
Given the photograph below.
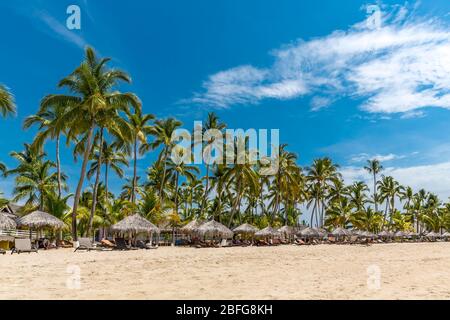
(236, 203)
(81, 181)
(58, 166)
(97, 182)
(133, 191)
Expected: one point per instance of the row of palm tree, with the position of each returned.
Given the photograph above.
(109, 132)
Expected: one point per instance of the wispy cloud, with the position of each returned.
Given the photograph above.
(380, 157)
(60, 29)
(396, 68)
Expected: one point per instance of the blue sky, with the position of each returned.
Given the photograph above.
(313, 69)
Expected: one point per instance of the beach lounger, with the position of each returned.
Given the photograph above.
(23, 246)
(2, 251)
(122, 245)
(88, 245)
(224, 243)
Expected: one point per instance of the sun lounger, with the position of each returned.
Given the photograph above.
(122, 245)
(2, 251)
(23, 246)
(88, 245)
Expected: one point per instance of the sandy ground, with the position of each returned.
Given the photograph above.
(382, 271)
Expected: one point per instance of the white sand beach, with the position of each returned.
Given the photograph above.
(408, 271)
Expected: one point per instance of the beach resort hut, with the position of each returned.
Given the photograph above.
(308, 233)
(134, 225)
(268, 233)
(400, 235)
(6, 224)
(215, 230)
(39, 220)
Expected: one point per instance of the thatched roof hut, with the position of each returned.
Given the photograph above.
(267, 232)
(6, 222)
(135, 224)
(367, 234)
(191, 227)
(40, 220)
(214, 228)
(309, 233)
(399, 234)
(384, 234)
(245, 229)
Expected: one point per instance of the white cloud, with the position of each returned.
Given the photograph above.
(60, 29)
(397, 68)
(380, 157)
(432, 178)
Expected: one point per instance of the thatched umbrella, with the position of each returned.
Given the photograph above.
(6, 222)
(367, 234)
(191, 227)
(384, 234)
(40, 220)
(135, 224)
(446, 234)
(286, 230)
(339, 232)
(215, 228)
(245, 229)
(267, 232)
(399, 234)
(433, 235)
(308, 233)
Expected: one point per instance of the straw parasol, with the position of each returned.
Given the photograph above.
(40, 220)
(367, 234)
(339, 232)
(215, 228)
(136, 224)
(286, 230)
(399, 234)
(267, 232)
(308, 232)
(384, 234)
(433, 234)
(192, 226)
(246, 229)
(446, 234)
(6, 222)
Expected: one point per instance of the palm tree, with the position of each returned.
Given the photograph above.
(163, 131)
(178, 168)
(7, 104)
(319, 177)
(212, 123)
(47, 119)
(374, 167)
(34, 178)
(357, 194)
(94, 98)
(389, 190)
(140, 129)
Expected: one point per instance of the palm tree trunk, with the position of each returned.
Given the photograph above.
(176, 192)
(206, 191)
(106, 184)
(87, 152)
(375, 200)
(133, 191)
(163, 180)
(97, 182)
(58, 166)
(236, 203)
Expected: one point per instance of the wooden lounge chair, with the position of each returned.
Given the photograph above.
(88, 245)
(22, 246)
(122, 245)
(224, 243)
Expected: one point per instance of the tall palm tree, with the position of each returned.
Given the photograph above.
(47, 119)
(7, 104)
(212, 123)
(319, 177)
(374, 167)
(94, 98)
(163, 131)
(140, 129)
(389, 190)
(357, 194)
(178, 168)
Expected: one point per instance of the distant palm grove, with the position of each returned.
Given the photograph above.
(108, 132)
